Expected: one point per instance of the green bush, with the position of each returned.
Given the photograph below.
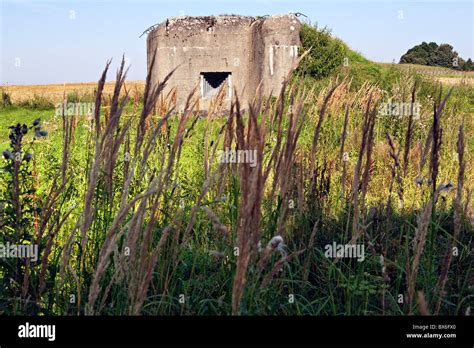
(326, 53)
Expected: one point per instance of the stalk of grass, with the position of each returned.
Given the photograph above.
(368, 119)
(251, 182)
(437, 138)
(341, 155)
(107, 148)
(286, 158)
(317, 130)
(419, 242)
(409, 132)
(423, 307)
(396, 168)
(440, 287)
(368, 160)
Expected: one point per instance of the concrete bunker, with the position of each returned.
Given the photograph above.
(232, 52)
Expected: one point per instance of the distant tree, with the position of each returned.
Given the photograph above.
(468, 65)
(444, 56)
(420, 54)
(435, 55)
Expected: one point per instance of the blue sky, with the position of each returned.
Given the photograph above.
(69, 41)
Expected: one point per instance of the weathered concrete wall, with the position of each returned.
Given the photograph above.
(281, 40)
(252, 49)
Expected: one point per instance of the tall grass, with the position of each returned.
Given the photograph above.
(139, 216)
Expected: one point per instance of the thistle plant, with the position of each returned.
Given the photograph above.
(18, 208)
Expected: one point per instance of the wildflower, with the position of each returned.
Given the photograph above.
(39, 133)
(401, 204)
(28, 157)
(217, 255)
(7, 154)
(345, 156)
(382, 263)
(372, 214)
(276, 243)
(446, 187)
(36, 122)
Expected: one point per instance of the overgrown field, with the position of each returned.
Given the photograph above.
(134, 210)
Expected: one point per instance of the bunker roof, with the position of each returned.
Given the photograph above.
(185, 23)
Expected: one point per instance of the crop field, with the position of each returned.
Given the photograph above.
(56, 93)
